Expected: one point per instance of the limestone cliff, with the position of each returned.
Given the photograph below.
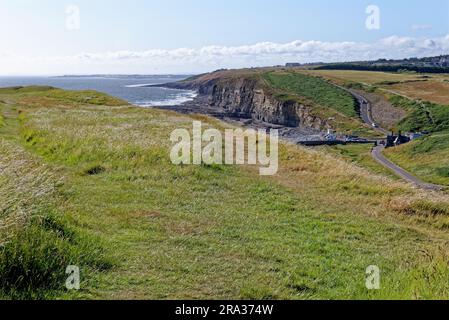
(246, 96)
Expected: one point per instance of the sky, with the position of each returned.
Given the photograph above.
(49, 37)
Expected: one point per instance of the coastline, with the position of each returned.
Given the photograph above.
(201, 105)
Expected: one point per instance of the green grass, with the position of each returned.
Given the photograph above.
(141, 228)
(325, 100)
(360, 154)
(33, 265)
(428, 157)
(29, 89)
(83, 97)
(315, 89)
(2, 118)
(37, 242)
(423, 116)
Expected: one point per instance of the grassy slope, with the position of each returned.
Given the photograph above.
(219, 232)
(329, 102)
(423, 116)
(315, 89)
(360, 154)
(37, 242)
(436, 91)
(427, 157)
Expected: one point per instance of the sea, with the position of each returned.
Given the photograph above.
(132, 88)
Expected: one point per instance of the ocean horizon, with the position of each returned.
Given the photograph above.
(136, 89)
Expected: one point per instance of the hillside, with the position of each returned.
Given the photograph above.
(427, 157)
(424, 98)
(314, 89)
(421, 103)
(97, 190)
(280, 96)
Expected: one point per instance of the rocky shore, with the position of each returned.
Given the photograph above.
(201, 105)
(244, 100)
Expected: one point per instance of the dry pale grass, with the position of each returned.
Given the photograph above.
(433, 88)
(333, 185)
(366, 77)
(433, 91)
(24, 186)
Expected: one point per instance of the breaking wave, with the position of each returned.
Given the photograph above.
(180, 97)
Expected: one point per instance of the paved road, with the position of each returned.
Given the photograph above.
(366, 115)
(379, 157)
(366, 112)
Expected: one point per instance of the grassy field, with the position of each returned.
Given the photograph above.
(428, 157)
(425, 97)
(378, 78)
(360, 154)
(2, 119)
(402, 90)
(97, 190)
(434, 91)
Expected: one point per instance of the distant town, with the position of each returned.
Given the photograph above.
(429, 64)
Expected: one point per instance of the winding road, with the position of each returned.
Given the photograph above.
(366, 113)
(377, 152)
(380, 158)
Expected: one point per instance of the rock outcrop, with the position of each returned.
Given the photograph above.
(247, 97)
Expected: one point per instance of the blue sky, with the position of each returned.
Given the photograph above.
(117, 35)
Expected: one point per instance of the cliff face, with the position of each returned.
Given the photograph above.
(245, 97)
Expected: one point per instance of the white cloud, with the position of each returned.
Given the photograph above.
(213, 57)
(422, 27)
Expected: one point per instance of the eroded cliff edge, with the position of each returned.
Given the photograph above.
(247, 95)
